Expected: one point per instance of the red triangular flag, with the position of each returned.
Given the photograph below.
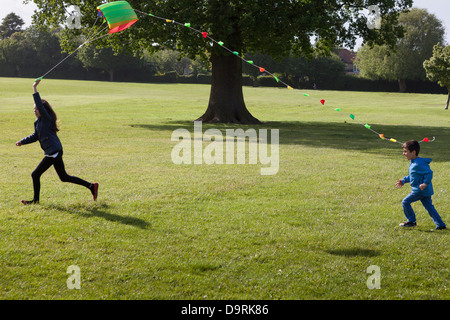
(322, 101)
(261, 69)
(426, 139)
(205, 34)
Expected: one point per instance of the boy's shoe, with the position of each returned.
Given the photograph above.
(26, 203)
(407, 224)
(441, 228)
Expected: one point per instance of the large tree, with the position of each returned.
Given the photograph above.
(11, 24)
(16, 53)
(405, 61)
(438, 68)
(272, 27)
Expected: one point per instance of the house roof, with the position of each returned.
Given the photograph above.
(347, 56)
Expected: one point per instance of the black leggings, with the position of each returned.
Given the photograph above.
(58, 163)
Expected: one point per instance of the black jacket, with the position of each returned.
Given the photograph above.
(43, 131)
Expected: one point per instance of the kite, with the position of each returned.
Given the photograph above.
(119, 16)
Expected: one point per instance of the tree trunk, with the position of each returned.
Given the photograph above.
(448, 99)
(111, 75)
(226, 100)
(402, 85)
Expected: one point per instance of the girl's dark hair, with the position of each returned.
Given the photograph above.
(52, 114)
(412, 145)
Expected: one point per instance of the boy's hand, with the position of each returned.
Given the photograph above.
(399, 184)
(423, 186)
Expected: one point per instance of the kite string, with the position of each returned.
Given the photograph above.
(92, 29)
(263, 70)
(41, 77)
(90, 38)
(79, 47)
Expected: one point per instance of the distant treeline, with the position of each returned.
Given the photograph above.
(30, 53)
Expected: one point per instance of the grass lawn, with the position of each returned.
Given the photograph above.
(197, 231)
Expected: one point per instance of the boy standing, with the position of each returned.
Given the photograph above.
(419, 177)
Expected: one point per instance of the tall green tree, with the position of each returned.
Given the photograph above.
(17, 54)
(271, 27)
(405, 61)
(438, 68)
(10, 24)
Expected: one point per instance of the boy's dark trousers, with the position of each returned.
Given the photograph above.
(426, 202)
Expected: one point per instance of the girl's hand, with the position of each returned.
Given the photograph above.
(399, 184)
(35, 84)
(18, 143)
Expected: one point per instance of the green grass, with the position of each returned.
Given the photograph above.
(166, 231)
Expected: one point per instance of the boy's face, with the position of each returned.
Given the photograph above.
(409, 155)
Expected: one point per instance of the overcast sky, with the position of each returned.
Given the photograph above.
(441, 8)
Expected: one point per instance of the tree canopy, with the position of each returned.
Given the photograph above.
(11, 23)
(438, 67)
(405, 60)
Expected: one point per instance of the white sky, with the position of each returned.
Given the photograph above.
(441, 8)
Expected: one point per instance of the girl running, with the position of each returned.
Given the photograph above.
(45, 130)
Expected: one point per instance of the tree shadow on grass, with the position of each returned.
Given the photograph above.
(354, 252)
(336, 135)
(100, 210)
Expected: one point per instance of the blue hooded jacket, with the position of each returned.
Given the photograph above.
(420, 172)
(43, 131)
